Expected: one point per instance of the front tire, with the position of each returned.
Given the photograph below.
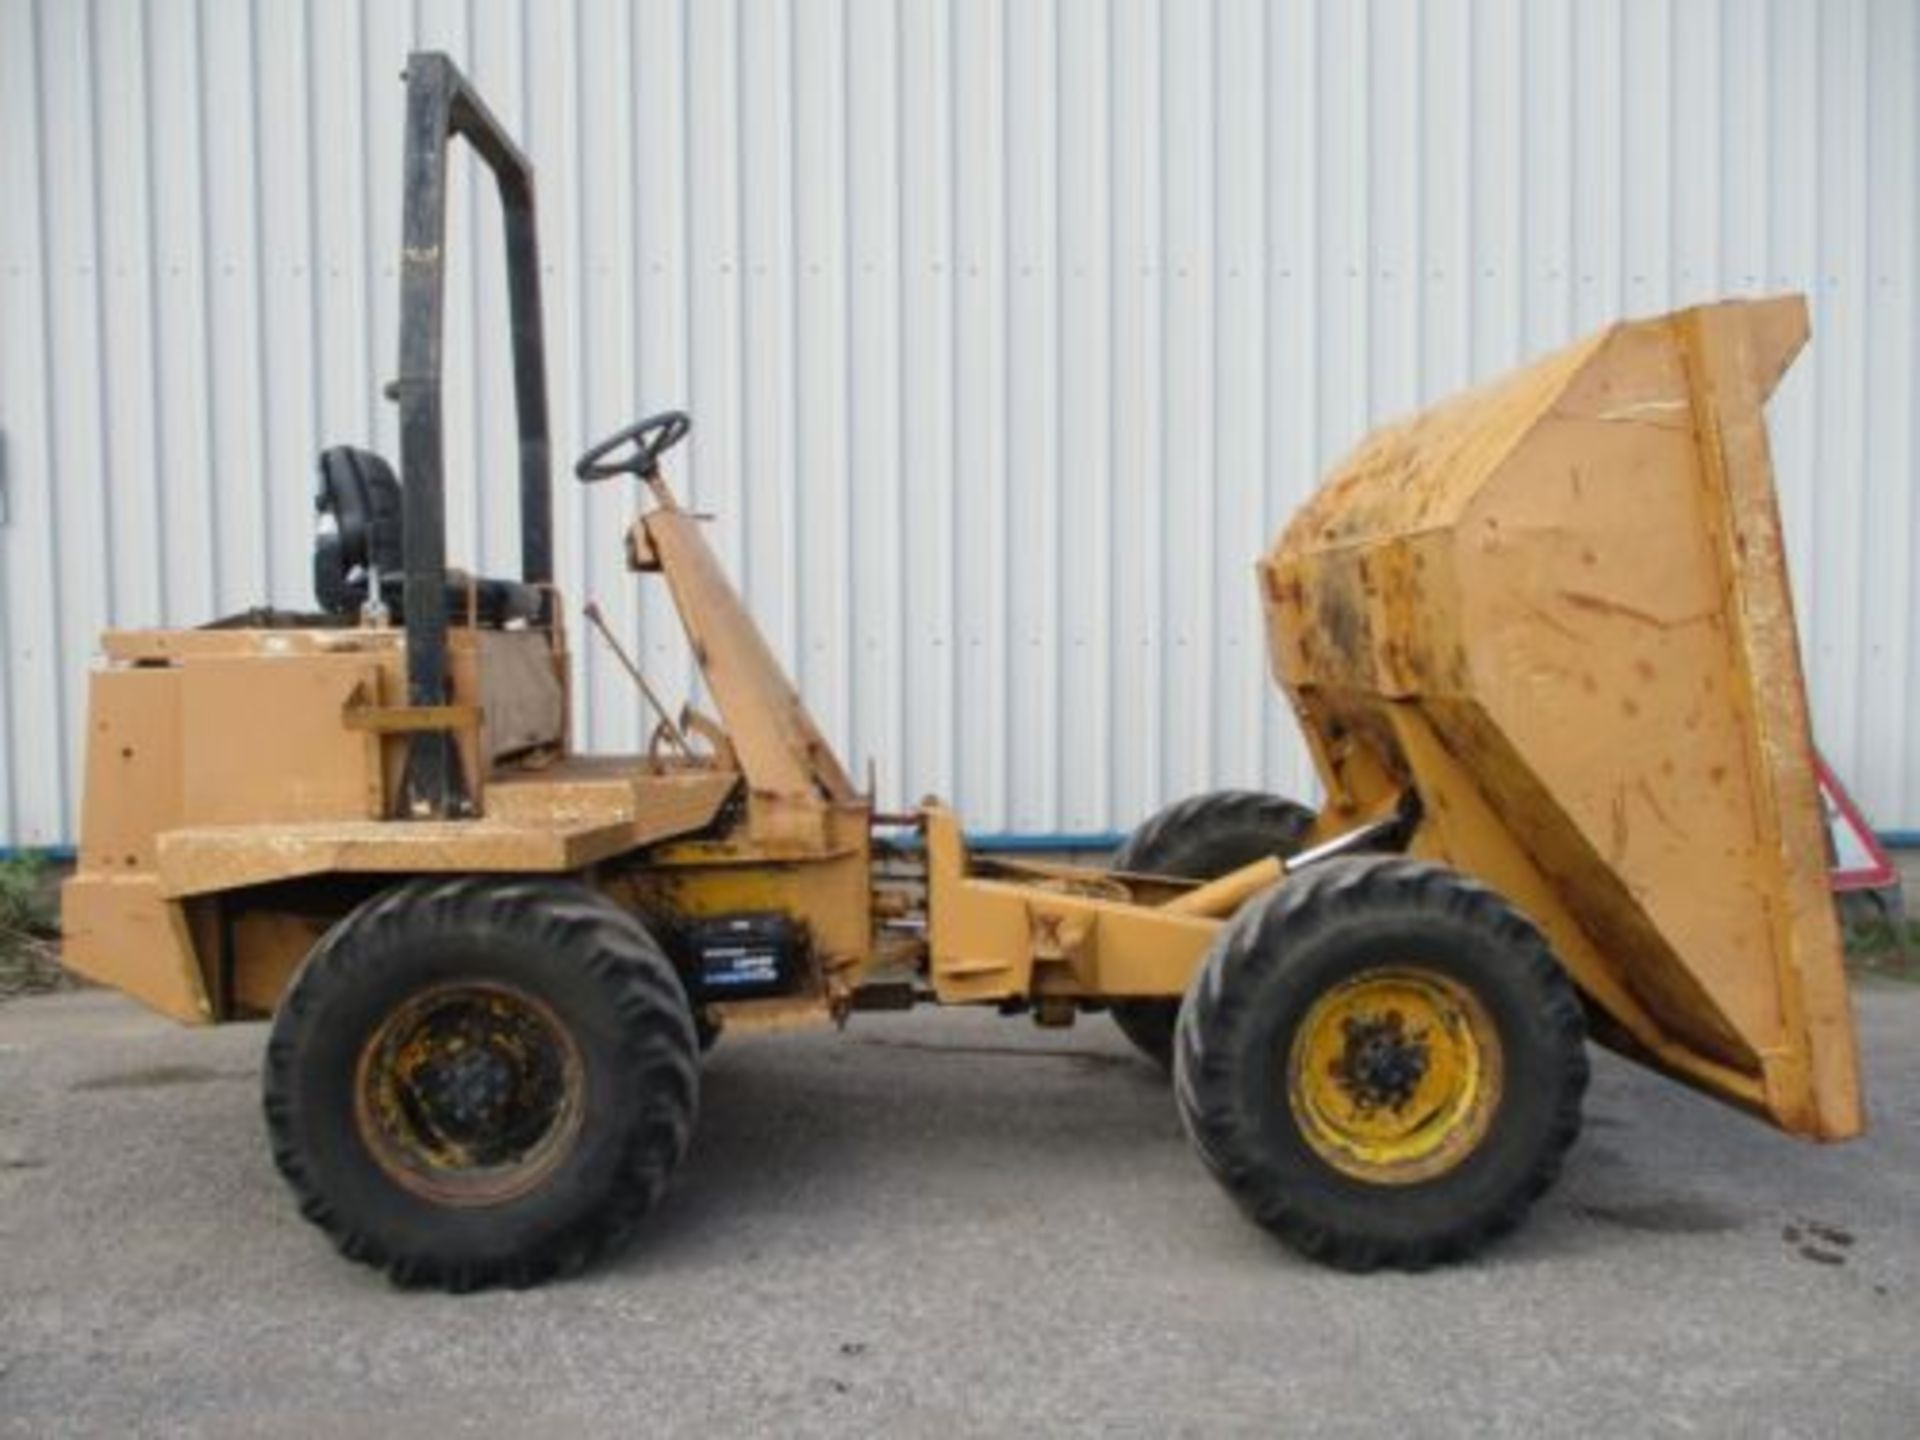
(1201, 838)
(475, 1082)
(1382, 1063)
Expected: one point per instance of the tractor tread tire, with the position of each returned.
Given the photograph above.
(605, 978)
(1201, 838)
(1253, 973)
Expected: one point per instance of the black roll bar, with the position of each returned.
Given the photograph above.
(441, 104)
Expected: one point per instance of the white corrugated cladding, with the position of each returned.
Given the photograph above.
(1012, 330)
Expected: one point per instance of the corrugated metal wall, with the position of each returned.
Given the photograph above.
(1012, 329)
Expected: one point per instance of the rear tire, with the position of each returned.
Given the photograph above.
(1382, 1063)
(476, 1082)
(1201, 838)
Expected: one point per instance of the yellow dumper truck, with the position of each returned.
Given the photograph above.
(1538, 638)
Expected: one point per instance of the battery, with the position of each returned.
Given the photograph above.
(740, 957)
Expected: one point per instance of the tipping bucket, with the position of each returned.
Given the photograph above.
(1556, 608)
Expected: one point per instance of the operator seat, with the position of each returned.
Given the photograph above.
(359, 533)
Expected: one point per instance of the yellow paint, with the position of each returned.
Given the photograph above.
(1556, 609)
(1229, 892)
(1431, 1023)
(1062, 934)
(123, 931)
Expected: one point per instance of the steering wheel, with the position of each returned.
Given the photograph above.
(647, 440)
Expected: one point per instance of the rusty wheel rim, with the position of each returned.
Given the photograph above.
(470, 1093)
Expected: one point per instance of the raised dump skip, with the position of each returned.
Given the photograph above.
(1557, 608)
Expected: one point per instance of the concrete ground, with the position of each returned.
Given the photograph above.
(946, 1225)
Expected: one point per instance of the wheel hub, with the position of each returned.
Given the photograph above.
(1383, 1062)
(469, 1093)
(1393, 1076)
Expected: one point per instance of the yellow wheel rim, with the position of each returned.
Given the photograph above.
(1394, 1075)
